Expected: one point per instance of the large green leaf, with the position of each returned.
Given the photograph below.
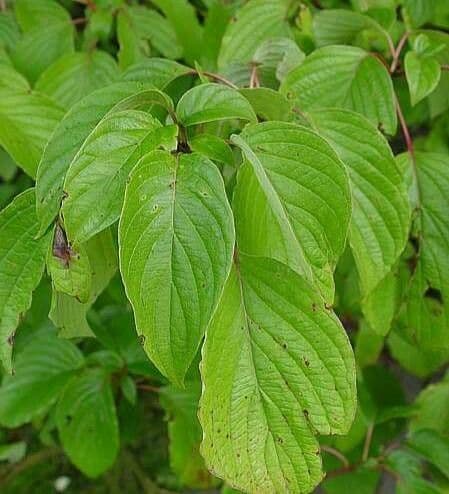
(427, 309)
(27, 120)
(75, 75)
(292, 200)
(211, 102)
(157, 72)
(277, 369)
(67, 139)
(256, 22)
(176, 239)
(344, 77)
(95, 182)
(380, 217)
(87, 422)
(48, 34)
(22, 261)
(42, 369)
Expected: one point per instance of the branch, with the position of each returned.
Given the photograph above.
(397, 52)
(216, 77)
(334, 452)
(367, 444)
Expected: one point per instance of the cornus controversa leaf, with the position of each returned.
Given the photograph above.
(22, 262)
(268, 104)
(66, 141)
(344, 77)
(254, 23)
(427, 308)
(95, 182)
(381, 214)
(87, 422)
(277, 369)
(176, 237)
(68, 310)
(292, 200)
(48, 34)
(9, 30)
(27, 119)
(213, 147)
(42, 369)
(423, 75)
(338, 26)
(158, 72)
(74, 76)
(211, 102)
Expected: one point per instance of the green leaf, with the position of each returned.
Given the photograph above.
(87, 422)
(423, 75)
(211, 102)
(67, 139)
(131, 47)
(95, 182)
(292, 200)
(42, 369)
(418, 12)
(175, 239)
(69, 313)
(182, 16)
(9, 30)
(277, 369)
(427, 309)
(254, 23)
(70, 270)
(338, 26)
(22, 261)
(344, 77)
(13, 452)
(185, 434)
(268, 104)
(157, 72)
(380, 217)
(48, 35)
(433, 447)
(74, 76)
(27, 120)
(212, 147)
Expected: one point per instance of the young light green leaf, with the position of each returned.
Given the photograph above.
(87, 422)
(255, 22)
(381, 214)
(185, 434)
(67, 139)
(96, 180)
(74, 76)
(423, 75)
(211, 102)
(344, 77)
(277, 369)
(27, 120)
(292, 200)
(42, 369)
(69, 313)
(48, 35)
(213, 147)
(22, 262)
(176, 239)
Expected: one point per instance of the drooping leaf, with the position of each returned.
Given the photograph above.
(427, 309)
(255, 22)
(344, 77)
(67, 139)
(95, 182)
(211, 102)
(27, 120)
(42, 369)
(176, 238)
(277, 369)
(185, 435)
(380, 216)
(87, 422)
(48, 35)
(268, 104)
(22, 261)
(75, 75)
(292, 200)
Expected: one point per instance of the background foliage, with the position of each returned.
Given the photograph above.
(137, 140)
